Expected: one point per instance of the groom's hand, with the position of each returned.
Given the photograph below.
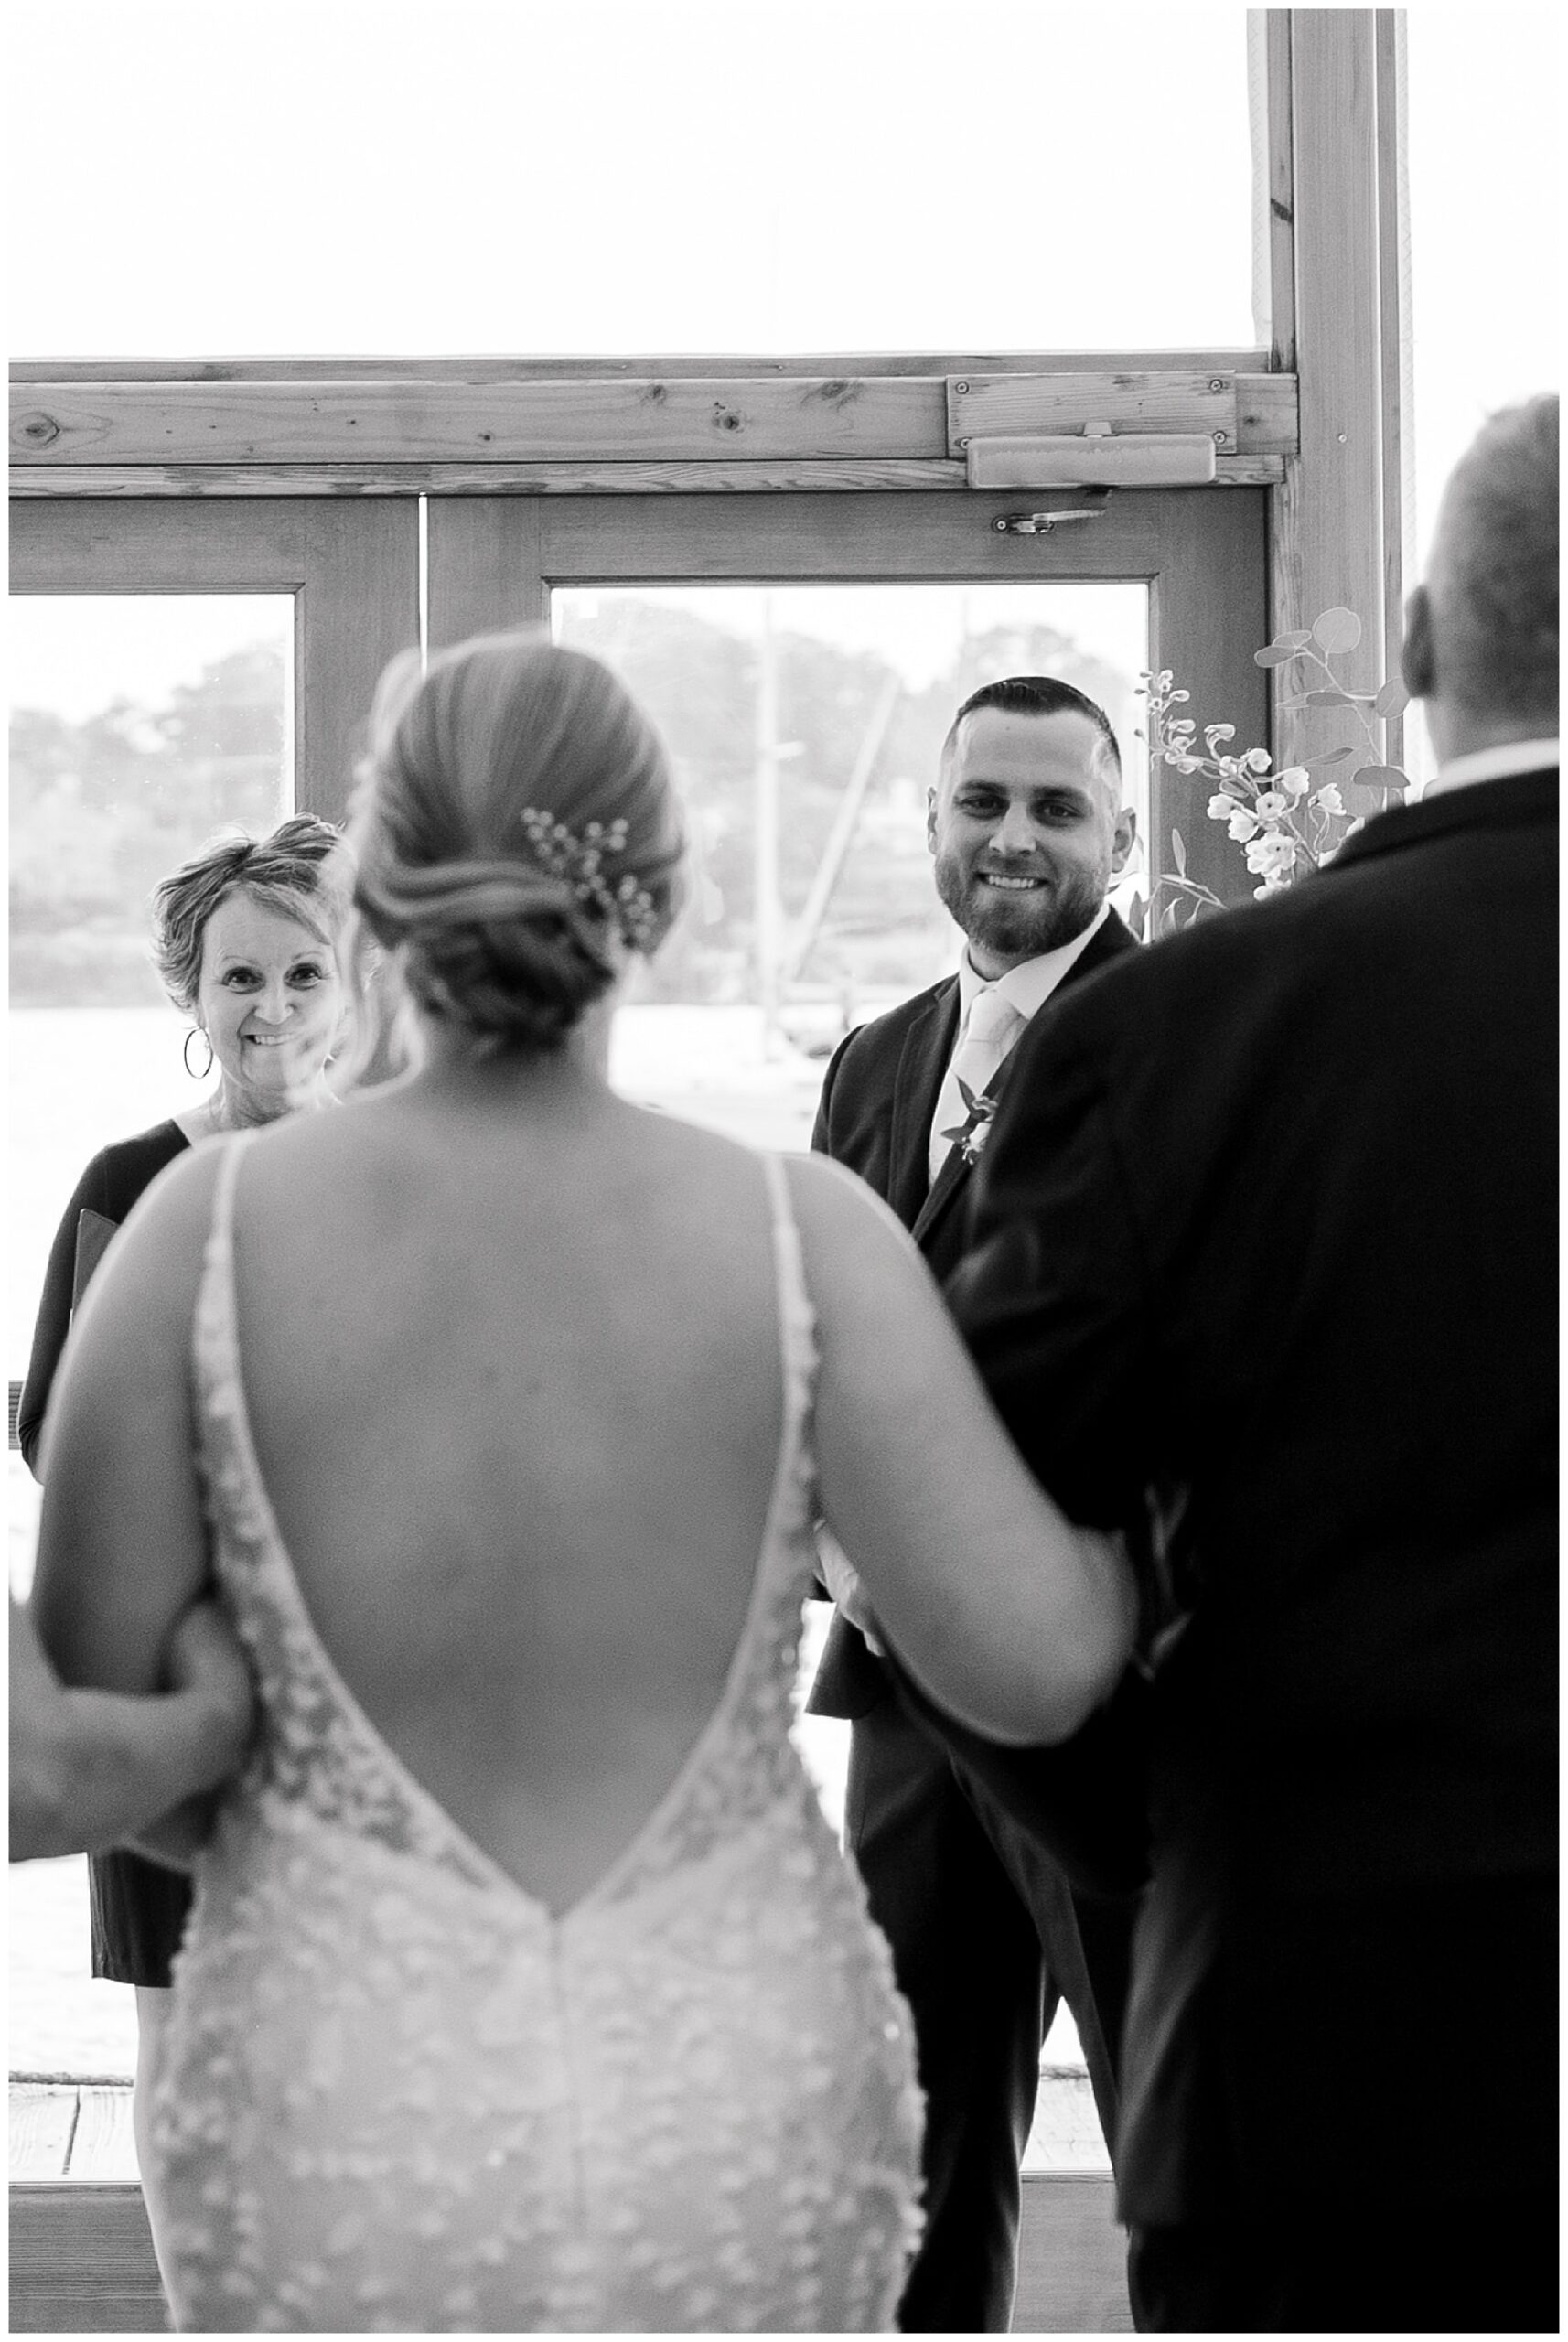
(840, 1577)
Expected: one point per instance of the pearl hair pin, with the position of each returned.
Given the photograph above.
(580, 862)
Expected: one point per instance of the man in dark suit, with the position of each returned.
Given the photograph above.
(1028, 829)
(1268, 1222)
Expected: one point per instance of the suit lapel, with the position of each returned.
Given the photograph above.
(928, 1045)
(1106, 943)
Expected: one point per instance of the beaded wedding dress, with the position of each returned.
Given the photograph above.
(400, 2094)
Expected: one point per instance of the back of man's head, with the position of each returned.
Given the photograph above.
(1491, 588)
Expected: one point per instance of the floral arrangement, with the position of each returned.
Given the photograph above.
(1286, 822)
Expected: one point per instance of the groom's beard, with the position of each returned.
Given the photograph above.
(1022, 926)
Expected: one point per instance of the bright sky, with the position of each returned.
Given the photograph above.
(331, 176)
(358, 177)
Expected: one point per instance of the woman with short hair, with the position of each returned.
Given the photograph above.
(248, 939)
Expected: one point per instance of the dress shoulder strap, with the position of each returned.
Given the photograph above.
(233, 1147)
(797, 1319)
(215, 1306)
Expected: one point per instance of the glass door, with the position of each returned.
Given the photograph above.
(803, 656)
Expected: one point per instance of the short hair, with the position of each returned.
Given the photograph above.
(492, 940)
(302, 870)
(1035, 695)
(1493, 581)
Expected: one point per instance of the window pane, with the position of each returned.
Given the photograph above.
(789, 175)
(852, 688)
(140, 724)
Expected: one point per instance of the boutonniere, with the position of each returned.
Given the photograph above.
(971, 1134)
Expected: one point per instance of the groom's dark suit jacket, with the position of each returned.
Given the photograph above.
(1269, 1214)
(879, 1097)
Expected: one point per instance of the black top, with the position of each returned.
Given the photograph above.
(111, 1183)
(1269, 1217)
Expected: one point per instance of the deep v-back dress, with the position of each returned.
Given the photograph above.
(402, 2094)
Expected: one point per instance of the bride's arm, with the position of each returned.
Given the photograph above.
(1006, 1615)
(122, 1547)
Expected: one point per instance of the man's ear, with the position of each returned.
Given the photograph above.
(1124, 839)
(1418, 660)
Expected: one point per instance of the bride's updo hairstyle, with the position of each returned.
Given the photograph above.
(516, 832)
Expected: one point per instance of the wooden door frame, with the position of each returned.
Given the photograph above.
(352, 569)
(494, 560)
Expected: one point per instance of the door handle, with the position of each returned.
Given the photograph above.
(1040, 524)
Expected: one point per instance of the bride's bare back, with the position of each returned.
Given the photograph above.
(514, 1378)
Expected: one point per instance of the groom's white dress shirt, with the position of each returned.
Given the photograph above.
(1494, 764)
(1023, 989)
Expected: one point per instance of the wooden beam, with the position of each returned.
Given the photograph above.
(35, 483)
(191, 430)
(1327, 540)
(360, 422)
(832, 365)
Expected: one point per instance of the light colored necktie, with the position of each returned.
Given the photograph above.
(989, 1030)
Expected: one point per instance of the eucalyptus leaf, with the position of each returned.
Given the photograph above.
(1337, 629)
(1381, 777)
(1178, 852)
(1331, 756)
(1393, 699)
(1273, 657)
(1296, 639)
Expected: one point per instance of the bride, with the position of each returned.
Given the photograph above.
(526, 1987)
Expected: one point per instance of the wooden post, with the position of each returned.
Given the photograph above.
(1398, 385)
(1338, 516)
(482, 567)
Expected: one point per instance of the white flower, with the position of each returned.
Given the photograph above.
(1258, 759)
(1294, 781)
(1329, 800)
(1222, 807)
(1272, 805)
(1243, 826)
(1271, 854)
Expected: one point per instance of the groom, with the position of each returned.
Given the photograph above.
(1028, 829)
(1270, 1217)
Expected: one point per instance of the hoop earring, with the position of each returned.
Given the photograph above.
(184, 1055)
